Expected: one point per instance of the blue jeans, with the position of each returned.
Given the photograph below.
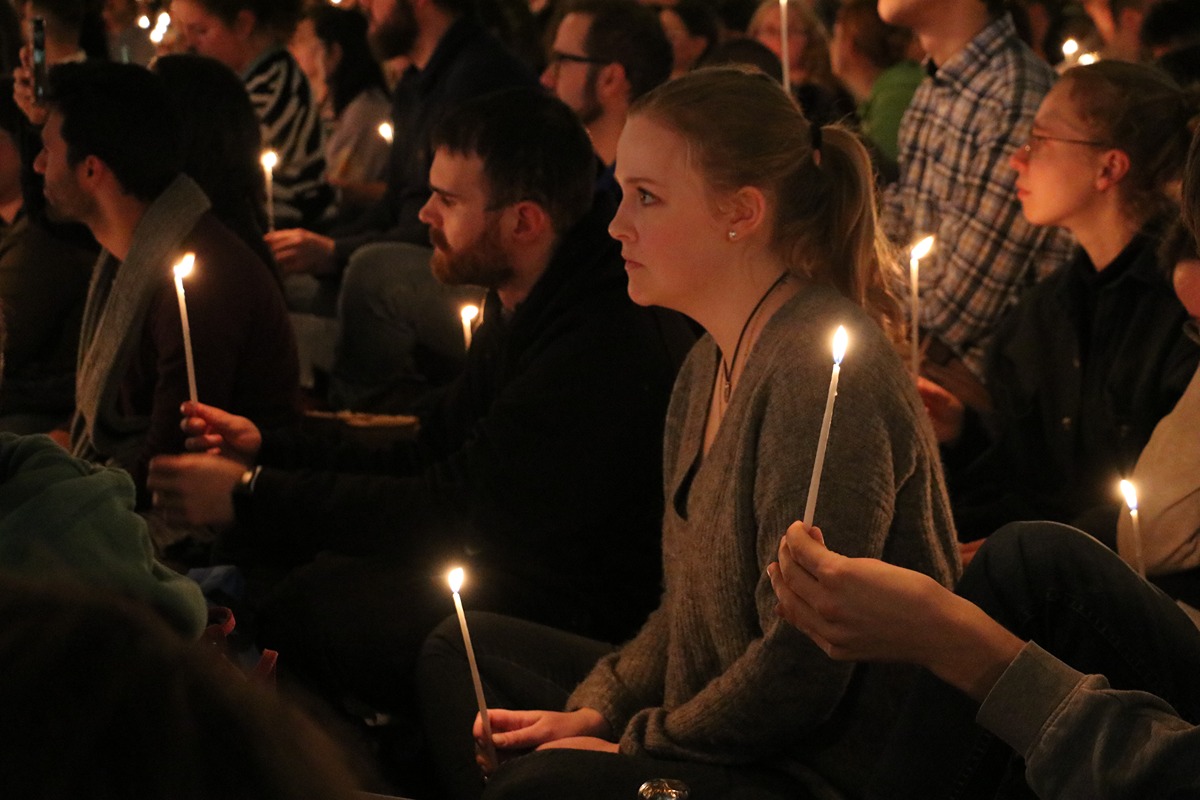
(1062, 589)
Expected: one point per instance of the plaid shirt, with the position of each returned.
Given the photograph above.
(956, 138)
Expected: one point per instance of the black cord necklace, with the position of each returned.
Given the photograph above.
(727, 366)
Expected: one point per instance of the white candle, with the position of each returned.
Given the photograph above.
(783, 46)
(386, 132)
(1069, 49)
(455, 579)
(919, 251)
(468, 314)
(269, 160)
(182, 270)
(1131, 502)
(839, 350)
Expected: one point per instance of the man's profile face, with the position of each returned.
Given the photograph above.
(463, 227)
(573, 82)
(66, 200)
(392, 27)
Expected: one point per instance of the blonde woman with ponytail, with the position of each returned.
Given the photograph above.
(740, 214)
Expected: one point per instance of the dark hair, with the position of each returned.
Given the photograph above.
(627, 33)
(533, 147)
(356, 70)
(1143, 112)
(1171, 23)
(882, 44)
(12, 119)
(279, 17)
(744, 52)
(64, 18)
(1191, 188)
(120, 114)
(148, 714)
(10, 38)
(700, 19)
(742, 129)
(220, 140)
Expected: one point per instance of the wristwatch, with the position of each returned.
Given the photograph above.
(245, 485)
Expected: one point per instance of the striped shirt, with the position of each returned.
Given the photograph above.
(291, 126)
(965, 122)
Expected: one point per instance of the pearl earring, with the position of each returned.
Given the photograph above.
(732, 235)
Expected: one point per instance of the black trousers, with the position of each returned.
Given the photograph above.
(1062, 589)
(529, 666)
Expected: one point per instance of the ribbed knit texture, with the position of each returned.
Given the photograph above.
(715, 676)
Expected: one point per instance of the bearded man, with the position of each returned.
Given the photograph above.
(538, 469)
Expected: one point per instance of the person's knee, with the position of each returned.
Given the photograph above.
(377, 267)
(534, 777)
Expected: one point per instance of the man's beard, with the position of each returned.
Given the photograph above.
(396, 35)
(589, 109)
(481, 263)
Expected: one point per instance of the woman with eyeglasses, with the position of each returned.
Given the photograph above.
(1082, 369)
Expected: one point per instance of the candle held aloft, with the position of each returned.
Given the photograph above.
(455, 579)
(468, 313)
(269, 160)
(919, 251)
(182, 270)
(840, 341)
(1131, 502)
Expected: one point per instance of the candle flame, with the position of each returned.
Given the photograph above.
(1088, 58)
(1070, 47)
(164, 19)
(455, 579)
(469, 312)
(1130, 495)
(184, 267)
(269, 160)
(144, 22)
(840, 340)
(922, 248)
(386, 131)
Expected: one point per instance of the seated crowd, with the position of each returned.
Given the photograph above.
(687, 568)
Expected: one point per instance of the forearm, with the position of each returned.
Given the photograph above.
(965, 647)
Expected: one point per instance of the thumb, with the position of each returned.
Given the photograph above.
(212, 415)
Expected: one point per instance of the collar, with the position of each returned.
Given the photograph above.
(979, 54)
(457, 38)
(260, 59)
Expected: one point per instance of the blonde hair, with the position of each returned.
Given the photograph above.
(743, 130)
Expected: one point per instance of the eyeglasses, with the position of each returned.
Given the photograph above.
(557, 57)
(1034, 140)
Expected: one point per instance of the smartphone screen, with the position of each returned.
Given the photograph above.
(39, 59)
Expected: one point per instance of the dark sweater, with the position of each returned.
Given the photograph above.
(1079, 373)
(542, 461)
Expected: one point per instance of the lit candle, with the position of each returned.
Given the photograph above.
(1088, 58)
(839, 350)
(182, 270)
(386, 132)
(455, 580)
(1132, 502)
(783, 46)
(1070, 48)
(919, 251)
(468, 314)
(269, 160)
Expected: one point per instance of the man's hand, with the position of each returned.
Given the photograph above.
(862, 609)
(301, 252)
(945, 410)
(194, 488)
(23, 89)
(211, 430)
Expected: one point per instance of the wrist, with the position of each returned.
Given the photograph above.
(975, 649)
(592, 723)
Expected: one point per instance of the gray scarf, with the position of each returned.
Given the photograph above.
(118, 300)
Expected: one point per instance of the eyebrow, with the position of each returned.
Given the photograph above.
(443, 192)
(635, 179)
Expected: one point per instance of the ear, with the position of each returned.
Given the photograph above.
(744, 212)
(1114, 166)
(527, 223)
(244, 23)
(612, 84)
(91, 172)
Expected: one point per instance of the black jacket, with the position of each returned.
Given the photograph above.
(542, 461)
(1079, 372)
